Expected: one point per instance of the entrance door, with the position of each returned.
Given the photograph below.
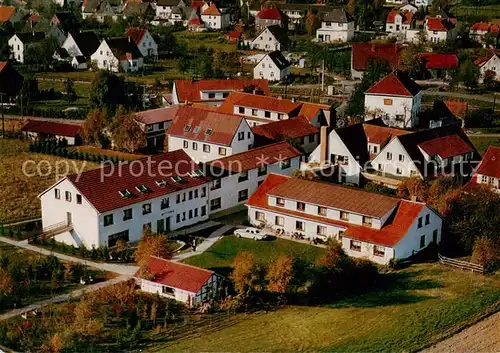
(160, 226)
(68, 217)
(167, 224)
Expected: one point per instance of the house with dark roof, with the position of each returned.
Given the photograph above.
(396, 99)
(488, 172)
(297, 13)
(19, 43)
(144, 41)
(37, 129)
(269, 17)
(206, 135)
(78, 48)
(336, 26)
(187, 284)
(164, 192)
(363, 53)
(164, 8)
(120, 53)
(141, 10)
(273, 67)
(11, 81)
(368, 225)
(271, 38)
(235, 178)
(100, 10)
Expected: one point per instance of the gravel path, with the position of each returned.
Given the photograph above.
(483, 337)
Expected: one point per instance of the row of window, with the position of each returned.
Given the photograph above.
(299, 225)
(216, 203)
(206, 148)
(255, 112)
(355, 245)
(212, 95)
(67, 196)
(190, 214)
(427, 220)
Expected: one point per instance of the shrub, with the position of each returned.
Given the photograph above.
(486, 253)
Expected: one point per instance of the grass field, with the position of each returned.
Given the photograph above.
(211, 40)
(220, 256)
(482, 142)
(19, 188)
(110, 153)
(414, 308)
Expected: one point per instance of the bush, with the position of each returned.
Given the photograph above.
(486, 253)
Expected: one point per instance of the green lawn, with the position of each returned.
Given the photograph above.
(213, 40)
(482, 142)
(413, 308)
(220, 256)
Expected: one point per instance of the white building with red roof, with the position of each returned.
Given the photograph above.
(101, 206)
(489, 63)
(235, 178)
(207, 135)
(38, 129)
(479, 30)
(488, 171)
(368, 225)
(154, 123)
(398, 22)
(187, 284)
(396, 99)
(269, 17)
(144, 41)
(215, 18)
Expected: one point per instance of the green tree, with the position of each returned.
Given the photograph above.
(69, 87)
(95, 128)
(41, 53)
(412, 61)
(107, 90)
(469, 74)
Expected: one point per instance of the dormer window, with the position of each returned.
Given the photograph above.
(187, 128)
(301, 206)
(280, 201)
(208, 132)
(142, 188)
(125, 193)
(196, 129)
(161, 183)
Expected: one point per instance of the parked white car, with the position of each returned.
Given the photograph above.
(251, 233)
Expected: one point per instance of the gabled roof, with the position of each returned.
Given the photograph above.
(362, 53)
(260, 102)
(279, 33)
(53, 128)
(481, 61)
(490, 165)
(396, 83)
(439, 61)
(101, 187)
(338, 15)
(457, 108)
(256, 157)
(311, 110)
(123, 48)
(169, 3)
(65, 18)
(157, 115)
(446, 146)
(136, 8)
(438, 24)
(269, 14)
(88, 42)
(30, 37)
(278, 59)
(286, 129)
(212, 10)
(10, 79)
(205, 125)
(407, 16)
(188, 90)
(177, 274)
(197, 4)
(6, 12)
(136, 34)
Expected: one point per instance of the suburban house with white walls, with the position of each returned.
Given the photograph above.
(368, 225)
(479, 30)
(213, 92)
(215, 18)
(271, 16)
(488, 171)
(439, 29)
(490, 63)
(398, 21)
(396, 99)
(423, 3)
(164, 8)
(207, 135)
(144, 41)
(115, 54)
(235, 178)
(19, 42)
(336, 26)
(78, 48)
(155, 123)
(184, 283)
(298, 129)
(273, 67)
(271, 38)
(100, 10)
(101, 206)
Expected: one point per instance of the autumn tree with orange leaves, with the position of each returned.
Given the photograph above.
(280, 275)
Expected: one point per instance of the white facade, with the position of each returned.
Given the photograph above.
(147, 45)
(258, 116)
(396, 111)
(216, 22)
(394, 160)
(106, 60)
(491, 181)
(17, 48)
(266, 41)
(493, 65)
(424, 3)
(185, 207)
(398, 26)
(71, 46)
(335, 32)
(267, 69)
(163, 11)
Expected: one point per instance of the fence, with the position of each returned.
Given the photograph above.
(464, 265)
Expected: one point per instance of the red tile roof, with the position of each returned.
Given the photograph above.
(6, 12)
(136, 34)
(446, 147)
(260, 102)
(490, 164)
(481, 61)
(177, 274)
(362, 53)
(381, 135)
(234, 35)
(440, 61)
(3, 64)
(286, 129)
(195, 21)
(437, 24)
(157, 115)
(269, 14)
(311, 110)
(396, 227)
(256, 157)
(391, 16)
(485, 27)
(101, 187)
(223, 126)
(212, 10)
(457, 108)
(197, 4)
(395, 84)
(53, 128)
(188, 90)
(407, 16)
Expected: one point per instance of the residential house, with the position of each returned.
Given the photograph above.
(398, 22)
(271, 38)
(424, 3)
(101, 206)
(36, 23)
(350, 149)
(439, 30)
(273, 67)
(10, 14)
(20, 42)
(100, 10)
(489, 64)
(206, 135)
(235, 178)
(296, 13)
(11, 81)
(215, 18)
(480, 30)
(213, 91)
(195, 25)
(182, 282)
(164, 8)
(78, 48)
(270, 17)
(443, 113)
(258, 109)
(336, 26)
(438, 65)
(363, 53)
(488, 171)
(155, 123)
(318, 114)
(141, 10)
(115, 54)
(144, 41)
(396, 99)
(299, 130)
(41, 130)
(368, 225)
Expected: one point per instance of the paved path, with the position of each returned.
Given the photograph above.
(62, 297)
(207, 243)
(195, 228)
(481, 337)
